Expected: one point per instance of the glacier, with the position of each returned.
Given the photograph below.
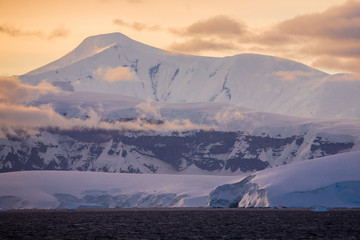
(328, 182)
(75, 189)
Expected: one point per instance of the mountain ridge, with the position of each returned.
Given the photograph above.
(89, 46)
(114, 63)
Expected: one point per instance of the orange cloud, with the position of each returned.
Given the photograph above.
(292, 75)
(14, 96)
(17, 32)
(196, 45)
(228, 115)
(147, 110)
(17, 115)
(58, 33)
(342, 22)
(137, 25)
(221, 26)
(12, 91)
(115, 74)
(209, 35)
(332, 37)
(347, 64)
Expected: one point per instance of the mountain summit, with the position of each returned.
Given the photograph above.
(114, 63)
(131, 108)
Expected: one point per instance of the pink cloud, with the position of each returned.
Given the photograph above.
(17, 114)
(330, 39)
(292, 75)
(138, 26)
(196, 45)
(12, 91)
(221, 25)
(115, 74)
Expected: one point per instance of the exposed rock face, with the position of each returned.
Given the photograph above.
(211, 152)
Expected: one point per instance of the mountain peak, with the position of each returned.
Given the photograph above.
(114, 63)
(104, 40)
(89, 47)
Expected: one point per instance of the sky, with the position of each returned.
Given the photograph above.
(324, 34)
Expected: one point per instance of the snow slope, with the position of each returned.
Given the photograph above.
(325, 182)
(329, 182)
(113, 63)
(201, 115)
(70, 189)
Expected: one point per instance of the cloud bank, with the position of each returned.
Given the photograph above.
(221, 26)
(13, 92)
(17, 115)
(329, 39)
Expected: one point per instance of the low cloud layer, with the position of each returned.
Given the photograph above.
(148, 110)
(17, 112)
(115, 74)
(228, 115)
(14, 104)
(13, 92)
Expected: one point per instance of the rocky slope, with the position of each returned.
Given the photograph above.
(191, 152)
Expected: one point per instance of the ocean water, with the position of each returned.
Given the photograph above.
(183, 223)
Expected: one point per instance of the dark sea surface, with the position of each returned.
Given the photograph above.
(184, 223)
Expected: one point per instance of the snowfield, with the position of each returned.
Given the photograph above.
(74, 189)
(330, 182)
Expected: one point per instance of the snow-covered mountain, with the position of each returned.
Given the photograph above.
(113, 63)
(130, 108)
(328, 182)
(325, 182)
(144, 137)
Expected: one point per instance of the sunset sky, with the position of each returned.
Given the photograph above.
(324, 33)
